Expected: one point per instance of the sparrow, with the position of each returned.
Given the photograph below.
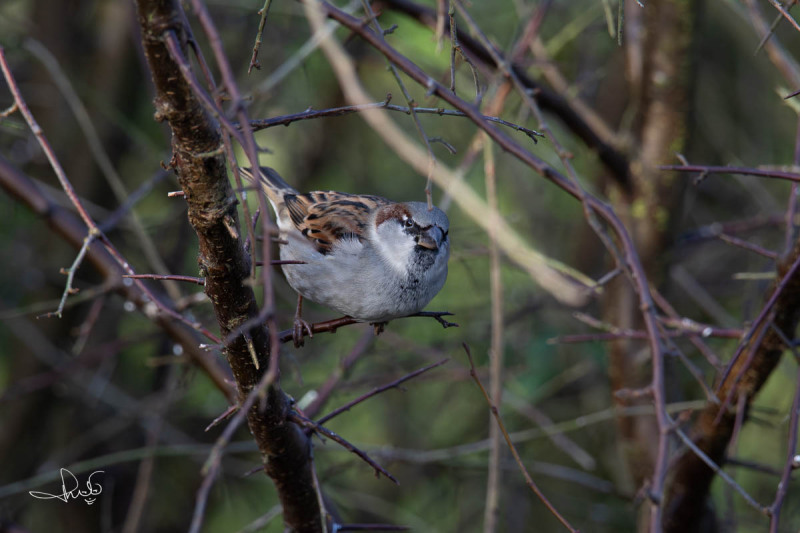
(365, 256)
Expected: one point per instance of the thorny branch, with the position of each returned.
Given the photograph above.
(200, 163)
(285, 120)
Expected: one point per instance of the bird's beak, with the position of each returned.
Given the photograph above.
(431, 238)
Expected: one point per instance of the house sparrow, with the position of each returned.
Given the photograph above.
(365, 256)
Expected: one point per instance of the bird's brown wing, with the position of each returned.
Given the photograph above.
(327, 217)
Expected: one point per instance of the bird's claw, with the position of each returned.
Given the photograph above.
(299, 329)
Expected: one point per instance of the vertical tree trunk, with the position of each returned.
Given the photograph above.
(657, 40)
(196, 143)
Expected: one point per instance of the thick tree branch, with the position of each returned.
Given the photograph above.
(687, 497)
(200, 163)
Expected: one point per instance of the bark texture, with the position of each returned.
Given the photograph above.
(200, 163)
(657, 42)
(687, 507)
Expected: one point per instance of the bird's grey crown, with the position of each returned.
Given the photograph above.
(425, 217)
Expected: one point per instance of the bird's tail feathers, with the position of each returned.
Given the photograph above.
(272, 183)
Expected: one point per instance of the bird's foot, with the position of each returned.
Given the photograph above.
(300, 326)
(299, 329)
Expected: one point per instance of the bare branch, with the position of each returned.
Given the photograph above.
(377, 390)
(777, 174)
(310, 424)
(308, 114)
(496, 414)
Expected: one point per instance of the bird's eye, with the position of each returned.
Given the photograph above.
(409, 223)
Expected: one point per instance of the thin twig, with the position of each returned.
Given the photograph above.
(324, 392)
(264, 11)
(10, 110)
(441, 12)
(526, 406)
(377, 390)
(279, 262)
(262, 521)
(777, 5)
(132, 199)
(771, 31)
(73, 197)
(792, 204)
(492, 506)
(721, 333)
(741, 243)
(88, 324)
(189, 279)
(667, 308)
(212, 464)
(451, 12)
(102, 159)
(411, 106)
(70, 272)
(757, 324)
(719, 471)
(371, 527)
(791, 463)
(330, 326)
(225, 414)
(310, 114)
(528, 480)
(45, 145)
(141, 490)
(310, 424)
(778, 174)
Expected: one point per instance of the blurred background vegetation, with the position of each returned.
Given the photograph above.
(104, 385)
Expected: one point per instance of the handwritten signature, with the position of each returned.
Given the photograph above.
(74, 492)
